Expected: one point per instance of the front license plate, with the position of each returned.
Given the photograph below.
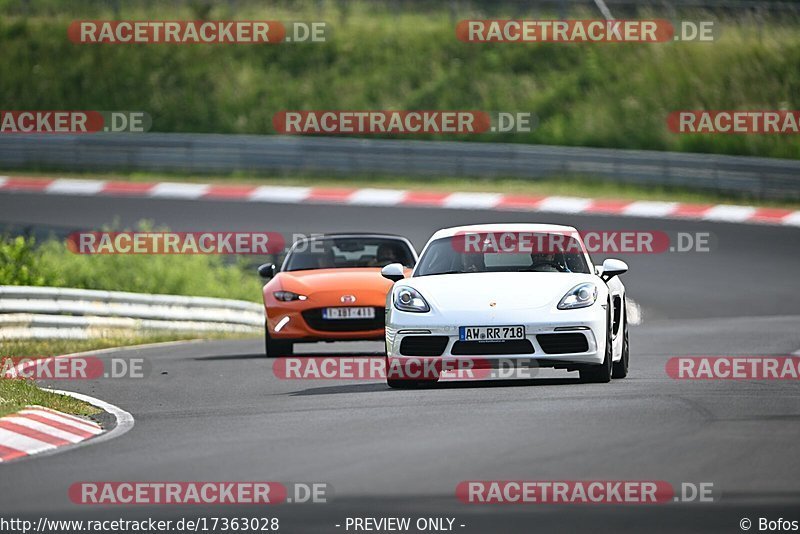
(348, 313)
(490, 333)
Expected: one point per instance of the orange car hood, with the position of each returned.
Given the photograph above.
(324, 280)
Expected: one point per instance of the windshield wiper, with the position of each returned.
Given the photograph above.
(444, 272)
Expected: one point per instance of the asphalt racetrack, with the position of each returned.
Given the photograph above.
(215, 411)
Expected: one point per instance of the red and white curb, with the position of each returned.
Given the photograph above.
(39, 431)
(404, 198)
(36, 429)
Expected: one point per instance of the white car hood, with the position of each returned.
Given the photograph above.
(508, 291)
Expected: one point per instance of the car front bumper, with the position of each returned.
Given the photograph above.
(589, 322)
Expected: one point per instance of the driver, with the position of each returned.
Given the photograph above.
(472, 263)
(327, 259)
(385, 255)
(545, 261)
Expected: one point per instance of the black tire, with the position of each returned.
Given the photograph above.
(621, 367)
(601, 374)
(402, 383)
(275, 348)
(409, 384)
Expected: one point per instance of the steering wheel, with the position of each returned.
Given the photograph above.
(557, 266)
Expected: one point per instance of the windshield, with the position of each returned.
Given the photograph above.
(343, 252)
(449, 255)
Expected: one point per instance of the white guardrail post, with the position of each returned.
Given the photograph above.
(28, 312)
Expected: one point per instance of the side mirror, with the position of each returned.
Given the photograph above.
(612, 268)
(393, 271)
(267, 270)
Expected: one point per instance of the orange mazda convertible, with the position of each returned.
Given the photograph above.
(330, 288)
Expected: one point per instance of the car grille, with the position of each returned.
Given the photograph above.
(314, 319)
(563, 343)
(423, 345)
(483, 348)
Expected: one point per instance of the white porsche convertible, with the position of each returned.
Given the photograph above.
(522, 292)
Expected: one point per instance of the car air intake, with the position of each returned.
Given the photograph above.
(423, 345)
(487, 348)
(563, 343)
(314, 319)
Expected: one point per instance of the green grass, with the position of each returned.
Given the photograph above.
(17, 394)
(604, 95)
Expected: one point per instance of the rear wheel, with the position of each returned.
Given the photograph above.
(276, 347)
(600, 374)
(621, 367)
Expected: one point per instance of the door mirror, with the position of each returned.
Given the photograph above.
(613, 267)
(266, 270)
(393, 271)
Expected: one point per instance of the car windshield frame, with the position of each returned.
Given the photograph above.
(409, 259)
(568, 262)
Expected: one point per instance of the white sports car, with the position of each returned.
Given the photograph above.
(528, 293)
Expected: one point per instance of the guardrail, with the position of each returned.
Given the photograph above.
(212, 153)
(28, 312)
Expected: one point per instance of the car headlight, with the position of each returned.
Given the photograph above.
(288, 296)
(409, 299)
(580, 296)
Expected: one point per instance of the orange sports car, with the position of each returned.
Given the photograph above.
(330, 288)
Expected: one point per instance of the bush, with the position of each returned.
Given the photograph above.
(19, 264)
(53, 264)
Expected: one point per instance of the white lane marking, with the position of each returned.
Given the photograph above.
(178, 190)
(564, 204)
(634, 311)
(725, 212)
(86, 426)
(273, 193)
(793, 219)
(472, 200)
(64, 186)
(377, 197)
(124, 419)
(43, 428)
(649, 209)
(23, 443)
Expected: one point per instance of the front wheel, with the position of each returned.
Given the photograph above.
(403, 383)
(276, 347)
(601, 374)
